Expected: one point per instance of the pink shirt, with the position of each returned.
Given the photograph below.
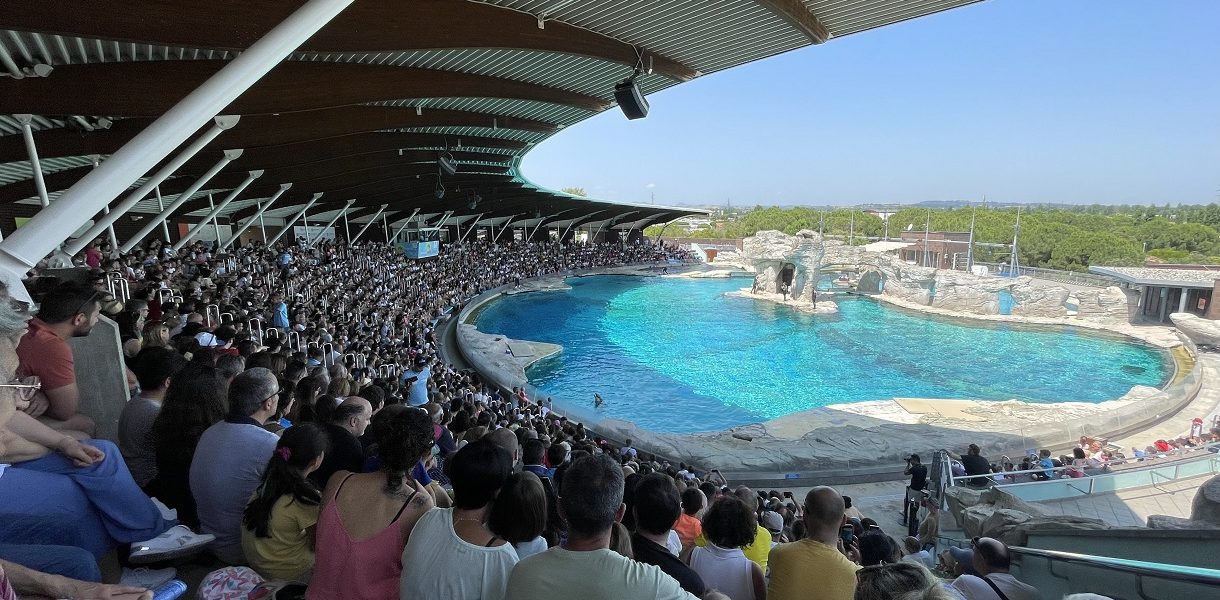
(347, 569)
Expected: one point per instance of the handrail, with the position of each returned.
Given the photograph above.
(1180, 573)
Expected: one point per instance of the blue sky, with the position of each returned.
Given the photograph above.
(1079, 101)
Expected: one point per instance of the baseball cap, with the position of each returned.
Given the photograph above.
(964, 557)
(772, 521)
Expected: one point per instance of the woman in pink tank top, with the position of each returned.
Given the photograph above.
(367, 517)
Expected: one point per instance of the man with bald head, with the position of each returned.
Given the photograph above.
(347, 424)
(506, 439)
(991, 561)
(815, 562)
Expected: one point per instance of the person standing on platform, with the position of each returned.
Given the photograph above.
(919, 481)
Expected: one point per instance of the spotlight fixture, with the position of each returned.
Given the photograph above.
(630, 99)
(446, 163)
(439, 192)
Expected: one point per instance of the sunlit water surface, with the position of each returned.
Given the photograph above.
(677, 355)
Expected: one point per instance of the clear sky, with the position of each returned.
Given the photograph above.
(1078, 101)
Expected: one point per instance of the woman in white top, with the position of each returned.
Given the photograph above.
(451, 553)
(728, 526)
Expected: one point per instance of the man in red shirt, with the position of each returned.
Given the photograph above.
(69, 310)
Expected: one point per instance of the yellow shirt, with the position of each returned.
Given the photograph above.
(756, 552)
(286, 554)
(810, 570)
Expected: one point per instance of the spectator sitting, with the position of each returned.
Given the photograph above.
(914, 552)
(230, 459)
(451, 552)
(657, 507)
(195, 400)
(688, 526)
(877, 548)
(730, 525)
(154, 368)
(366, 518)
(278, 523)
(584, 567)
(908, 581)
(60, 495)
(814, 562)
(759, 549)
(520, 514)
(976, 465)
(347, 423)
(851, 511)
(67, 311)
(17, 579)
(532, 452)
(991, 561)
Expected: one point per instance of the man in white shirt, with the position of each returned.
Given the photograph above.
(585, 567)
(991, 561)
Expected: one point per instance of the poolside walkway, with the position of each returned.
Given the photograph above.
(1131, 508)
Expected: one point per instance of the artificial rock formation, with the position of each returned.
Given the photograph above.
(998, 514)
(771, 254)
(768, 252)
(1199, 330)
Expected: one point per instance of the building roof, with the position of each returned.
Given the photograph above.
(363, 109)
(1184, 278)
(884, 246)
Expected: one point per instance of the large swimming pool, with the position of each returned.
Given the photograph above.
(677, 355)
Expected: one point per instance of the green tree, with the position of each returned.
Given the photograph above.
(575, 191)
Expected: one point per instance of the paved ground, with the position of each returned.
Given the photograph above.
(1131, 508)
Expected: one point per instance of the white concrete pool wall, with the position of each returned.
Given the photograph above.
(864, 440)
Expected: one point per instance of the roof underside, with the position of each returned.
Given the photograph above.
(362, 110)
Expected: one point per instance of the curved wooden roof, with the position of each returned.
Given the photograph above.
(363, 108)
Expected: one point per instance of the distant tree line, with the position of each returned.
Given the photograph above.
(1057, 237)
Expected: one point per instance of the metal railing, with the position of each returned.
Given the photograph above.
(1070, 277)
(1141, 570)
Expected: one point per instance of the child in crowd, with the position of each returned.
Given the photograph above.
(278, 525)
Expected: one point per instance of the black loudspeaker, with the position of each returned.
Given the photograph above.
(631, 100)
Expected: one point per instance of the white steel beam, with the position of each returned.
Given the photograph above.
(153, 184)
(229, 156)
(53, 224)
(257, 216)
(366, 225)
(332, 222)
(216, 210)
(293, 221)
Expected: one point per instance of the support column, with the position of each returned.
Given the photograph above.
(229, 156)
(293, 221)
(153, 184)
(347, 229)
(1182, 300)
(216, 210)
(52, 225)
(161, 207)
(366, 225)
(342, 213)
(35, 165)
(405, 223)
(385, 224)
(258, 215)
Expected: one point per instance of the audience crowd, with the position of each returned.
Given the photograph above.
(292, 420)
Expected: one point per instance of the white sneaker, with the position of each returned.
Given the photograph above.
(167, 513)
(147, 578)
(179, 541)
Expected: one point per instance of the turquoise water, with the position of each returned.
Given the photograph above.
(677, 355)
